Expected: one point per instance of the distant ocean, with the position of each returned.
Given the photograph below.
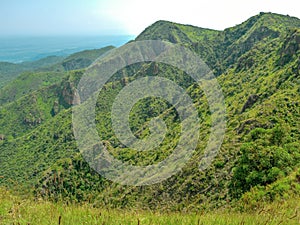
(21, 49)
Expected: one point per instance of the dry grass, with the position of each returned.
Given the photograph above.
(14, 210)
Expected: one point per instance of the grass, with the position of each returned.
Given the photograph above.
(15, 210)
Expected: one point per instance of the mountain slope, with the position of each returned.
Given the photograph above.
(79, 60)
(220, 49)
(9, 71)
(35, 97)
(257, 64)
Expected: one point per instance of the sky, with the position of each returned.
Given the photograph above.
(128, 17)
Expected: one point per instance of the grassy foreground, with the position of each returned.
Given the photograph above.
(14, 210)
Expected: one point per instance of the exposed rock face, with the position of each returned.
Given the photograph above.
(69, 94)
(172, 38)
(76, 97)
(155, 69)
(55, 108)
(289, 48)
(250, 102)
(2, 137)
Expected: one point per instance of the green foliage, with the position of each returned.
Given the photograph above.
(28, 82)
(9, 71)
(261, 147)
(265, 157)
(283, 189)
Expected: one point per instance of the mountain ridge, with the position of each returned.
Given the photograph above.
(258, 70)
(219, 47)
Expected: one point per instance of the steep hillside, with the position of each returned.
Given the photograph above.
(33, 80)
(28, 82)
(83, 59)
(257, 63)
(9, 71)
(79, 60)
(37, 107)
(35, 97)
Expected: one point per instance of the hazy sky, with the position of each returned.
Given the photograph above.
(94, 17)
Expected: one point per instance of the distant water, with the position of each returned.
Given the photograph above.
(21, 49)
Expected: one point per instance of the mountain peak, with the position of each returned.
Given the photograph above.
(179, 33)
(275, 21)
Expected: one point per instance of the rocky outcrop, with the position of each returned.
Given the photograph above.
(2, 137)
(289, 48)
(69, 94)
(55, 108)
(250, 102)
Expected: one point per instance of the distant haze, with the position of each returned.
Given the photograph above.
(20, 49)
(119, 17)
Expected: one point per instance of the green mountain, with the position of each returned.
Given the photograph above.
(9, 71)
(43, 72)
(35, 97)
(257, 64)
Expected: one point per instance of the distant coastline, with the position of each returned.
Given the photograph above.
(22, 49)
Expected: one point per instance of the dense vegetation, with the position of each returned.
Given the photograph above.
(10, 71)
(257, 63)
